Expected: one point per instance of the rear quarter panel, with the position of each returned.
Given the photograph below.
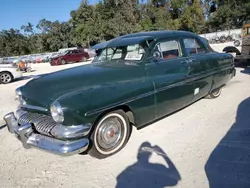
(223, 70)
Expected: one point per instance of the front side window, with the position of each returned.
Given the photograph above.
(192, 46)
(169, 49)
(77, 51)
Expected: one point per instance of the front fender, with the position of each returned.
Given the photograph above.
(85, 106)
(231, 49)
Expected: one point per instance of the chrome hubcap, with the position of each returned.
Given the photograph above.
(5, 78)
(217, 92)
(109, 133)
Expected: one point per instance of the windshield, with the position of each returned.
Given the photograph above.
(65, 52)
(123, 54)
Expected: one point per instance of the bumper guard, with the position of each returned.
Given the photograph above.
(25, 133)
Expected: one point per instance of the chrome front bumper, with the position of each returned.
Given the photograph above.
(29, 138)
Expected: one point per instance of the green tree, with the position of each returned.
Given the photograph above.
(28, 28)
(230, 14)
(193, 18)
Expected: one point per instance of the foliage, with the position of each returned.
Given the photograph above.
(90, 24)
(230, 14)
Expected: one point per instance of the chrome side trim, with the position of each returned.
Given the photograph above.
(30, 139)
(191, 79)
(34, 107)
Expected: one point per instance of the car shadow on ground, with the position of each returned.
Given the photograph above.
(246, 70)
(30, 77)
(229, 164)
(145, 174)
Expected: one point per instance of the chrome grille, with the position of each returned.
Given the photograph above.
(42, 123)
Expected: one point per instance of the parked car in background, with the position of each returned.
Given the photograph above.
(242, 58)
(69, 57)
(8, 73)
(8, 60)
(134, 80)
(54, 55)
(90, 51)
(45, 57)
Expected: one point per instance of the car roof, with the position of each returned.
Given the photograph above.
(136, 38)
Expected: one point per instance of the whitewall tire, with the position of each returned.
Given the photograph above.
(110, 135)
(215, 93)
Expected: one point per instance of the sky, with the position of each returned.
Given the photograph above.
(15, 13)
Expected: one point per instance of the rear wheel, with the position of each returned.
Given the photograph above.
(5, 77)
(215, 93)
(84, 59)
(110, 135)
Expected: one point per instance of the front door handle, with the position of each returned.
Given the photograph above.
(187, 61)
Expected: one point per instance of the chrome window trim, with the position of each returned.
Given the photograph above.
(168, 40)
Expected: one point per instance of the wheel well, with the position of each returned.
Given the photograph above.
(7, 72)
(231, 49)
(125, 108)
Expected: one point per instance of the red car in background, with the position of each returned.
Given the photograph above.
(69, 56)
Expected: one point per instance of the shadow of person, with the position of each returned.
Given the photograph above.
(144, 174)
(229, 164)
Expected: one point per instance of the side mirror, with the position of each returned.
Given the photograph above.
(156, 55)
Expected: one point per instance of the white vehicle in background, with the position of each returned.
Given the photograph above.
(8, 73)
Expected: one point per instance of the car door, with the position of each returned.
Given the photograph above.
(169, 73)
(199, 61)
(68, 56)
(78, 55)
(73, 55)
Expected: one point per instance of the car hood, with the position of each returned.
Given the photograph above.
(56, 56)
(44, 90)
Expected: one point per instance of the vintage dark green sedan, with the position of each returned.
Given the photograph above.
(134, 80)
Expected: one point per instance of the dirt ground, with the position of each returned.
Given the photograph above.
(204, 145)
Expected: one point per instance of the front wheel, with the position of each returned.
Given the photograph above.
(5, 77)
(111, 134)
(215, 93)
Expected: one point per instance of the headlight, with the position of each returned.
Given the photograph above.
(18, 93)
(19, 96)
(57, 112)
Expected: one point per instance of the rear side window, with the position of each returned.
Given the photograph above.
(192, 46)
(169, 49)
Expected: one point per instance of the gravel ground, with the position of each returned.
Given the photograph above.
(204, 145)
